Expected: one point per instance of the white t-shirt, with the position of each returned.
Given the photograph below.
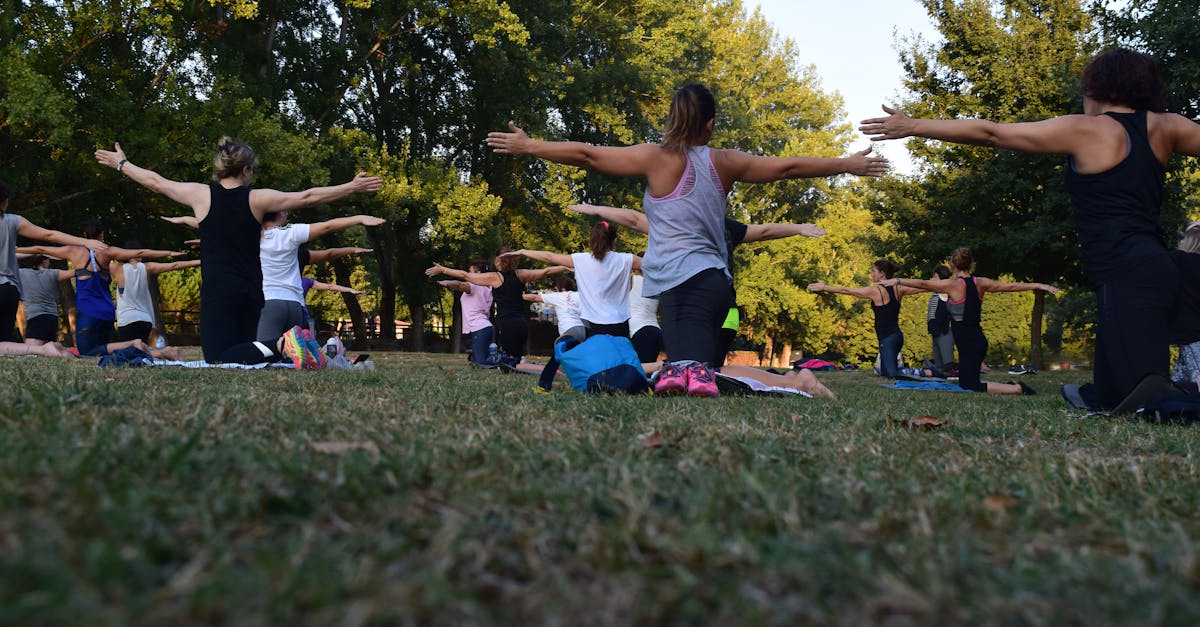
(566, 309)
(643, 312)
(603, 286)
(280, 268)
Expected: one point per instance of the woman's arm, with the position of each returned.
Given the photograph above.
(318, 256)
(28, 229)
(528, 276)
(775, 230)
(628, 218)
(858, 292)
(532, 298)
(950, 286)
(159, 268)
(183, 221)
(264, 201)
(116, 253)
(1186, 134)
(54, 252)
(456, 286)
(989, 285)
(194, 195)
(1068, 134)
(735, 165)
(613, 160)
(486, 279)
(331, 287)
(637, 265)
(337, 224)
(544, 256)
(66, 275)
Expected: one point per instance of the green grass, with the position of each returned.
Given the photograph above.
(196, 497)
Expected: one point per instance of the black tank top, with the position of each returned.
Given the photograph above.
(887, 315)
(508, 297)
(229, 237)
(972, 305)
(1117, 211)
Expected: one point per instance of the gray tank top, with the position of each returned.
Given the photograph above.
(40, 292)
(687, 228)
(133, 301)
(9, 270)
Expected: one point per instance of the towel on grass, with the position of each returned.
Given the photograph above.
(928, 386)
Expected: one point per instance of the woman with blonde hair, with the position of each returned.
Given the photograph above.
(230, 216)
(685, 199)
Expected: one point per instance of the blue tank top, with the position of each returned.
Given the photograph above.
(1117, 211)
(92, 295)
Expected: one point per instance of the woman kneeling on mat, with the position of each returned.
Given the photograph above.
(966, 305)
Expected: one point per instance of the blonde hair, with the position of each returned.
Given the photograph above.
(232, 157)
(1189, 238)
(692, 107)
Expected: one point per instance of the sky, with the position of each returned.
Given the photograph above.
(852, 45)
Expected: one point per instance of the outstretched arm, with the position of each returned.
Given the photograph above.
(532, 298)
(183, 221)
(159, 268)
(1186, 134)
(988, 285)
(859, 292)
(28, 229)
(194, 195)
(332, 287)
(116, 253)
(53, 252)
(614, 160)
(486, 279)
(456, 286)
(264, 201)
(628, 218)
(1068, 134)
(945, 286)
(775, 230)
(338, 224)
(528, 276)
(543, 256)
(735, 165)
(318, 256)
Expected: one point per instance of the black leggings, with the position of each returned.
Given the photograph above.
(1133, 317)
(621, 329)
(10, 297)
(648, 343)
(251, 353)
(692, 315)
(135, 331)
(227, 321)
(511, 332)
(972, 347)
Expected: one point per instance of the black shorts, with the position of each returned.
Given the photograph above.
(43, 327)
(135, 331)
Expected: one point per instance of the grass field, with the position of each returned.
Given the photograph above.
(428, 493)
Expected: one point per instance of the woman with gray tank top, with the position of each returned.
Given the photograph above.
(686, 187)
(39, 285)
(135, 307)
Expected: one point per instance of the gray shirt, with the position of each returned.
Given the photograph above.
(133, 300)
(687, 228)
(40, 292)
(9, 271)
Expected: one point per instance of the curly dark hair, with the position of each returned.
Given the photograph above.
(1120, 76)
(886, 267)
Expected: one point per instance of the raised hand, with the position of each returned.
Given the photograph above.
(895, 126)
(95, 245)
(367, 184)
(111, 158)
(812, 230)
(435, 269)
(584, 208)
(862, 164)
(372, 221)
(818, 286)
(514, 142)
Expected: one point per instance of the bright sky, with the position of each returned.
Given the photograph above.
(852, 45)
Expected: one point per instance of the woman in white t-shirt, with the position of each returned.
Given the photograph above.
(603, 279)
(283, 295)
(565, 302)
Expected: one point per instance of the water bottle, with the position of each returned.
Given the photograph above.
(161, 342)
(493, 353)
(331, 348)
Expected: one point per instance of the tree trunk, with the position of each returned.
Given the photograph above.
(768, 351)
(418, 327)
(387, 289)
(785, 355)
(1035, 329)
(66, 297)
(341, 273)
(456, 321)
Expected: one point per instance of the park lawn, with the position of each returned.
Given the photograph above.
(184, 497)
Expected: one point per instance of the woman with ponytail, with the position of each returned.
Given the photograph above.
(230, 216)
(685, 198)
(602, 277)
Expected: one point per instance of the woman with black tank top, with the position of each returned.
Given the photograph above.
(966, 306)
(508, 288)
(230, 216)
(885, 303)
(1117, 152)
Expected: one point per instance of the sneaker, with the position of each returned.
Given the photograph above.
(1025, 389)
(296, 349)
(671, 380)
(1017, 369)
(701, 381)
(316, 351)
(1152, 387)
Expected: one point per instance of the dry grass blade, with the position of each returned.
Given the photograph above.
(652, 439)
(336, 448)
